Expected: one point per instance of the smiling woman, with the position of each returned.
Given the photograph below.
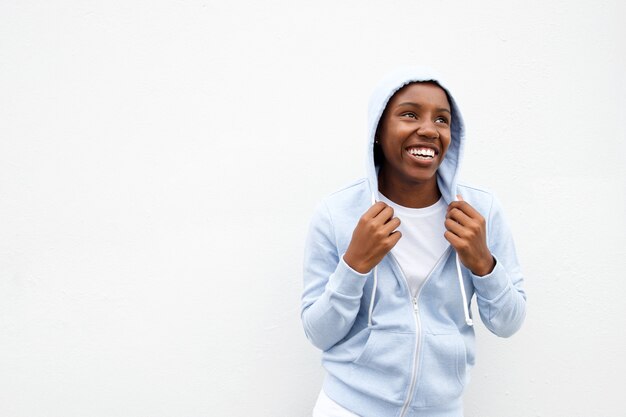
(392, 260)
(413, 137)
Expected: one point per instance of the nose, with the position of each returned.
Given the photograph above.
(428, 129)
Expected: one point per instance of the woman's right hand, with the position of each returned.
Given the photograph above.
(374, 235)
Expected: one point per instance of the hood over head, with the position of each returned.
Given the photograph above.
(386, 88)
(447, 171)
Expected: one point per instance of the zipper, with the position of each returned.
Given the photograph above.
(409, 397)
(418, 325)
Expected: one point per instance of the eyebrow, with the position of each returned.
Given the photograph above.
(408, 103)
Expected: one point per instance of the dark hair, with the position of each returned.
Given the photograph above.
(378, 151)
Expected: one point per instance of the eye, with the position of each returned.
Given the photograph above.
(441, 119)
(409, 114)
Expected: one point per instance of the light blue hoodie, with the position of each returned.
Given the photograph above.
(386, 353)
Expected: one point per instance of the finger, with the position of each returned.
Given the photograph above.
(454, 227)
(394, 238)
(382, 217)
(459, 216)
(374, 210)
(391, 225)
(465, 207)
(454, 240)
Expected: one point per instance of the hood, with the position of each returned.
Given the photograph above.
(386, 88)
(447, 171)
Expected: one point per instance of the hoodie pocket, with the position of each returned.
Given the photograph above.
(442, 370)
(383, 367)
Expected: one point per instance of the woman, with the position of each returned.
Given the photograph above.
(392, 262)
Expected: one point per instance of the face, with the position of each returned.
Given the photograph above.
(414, 133)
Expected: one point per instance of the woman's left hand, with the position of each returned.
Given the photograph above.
(467, 233)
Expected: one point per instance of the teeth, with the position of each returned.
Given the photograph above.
(422, 152)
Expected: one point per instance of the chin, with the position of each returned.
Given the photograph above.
(421, 177)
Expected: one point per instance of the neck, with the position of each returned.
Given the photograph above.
(413, 194)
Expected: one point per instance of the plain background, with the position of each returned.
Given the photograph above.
(160, 161)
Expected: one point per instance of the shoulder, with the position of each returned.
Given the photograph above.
(488, 205)
(340, 211)
(481, 198)
(353, 196)
(476, 191)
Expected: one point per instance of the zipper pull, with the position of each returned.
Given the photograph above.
(415, 305)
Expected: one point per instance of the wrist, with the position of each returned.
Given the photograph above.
(361, 269)
(485, 267)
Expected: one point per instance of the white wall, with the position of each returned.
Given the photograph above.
(160, 160)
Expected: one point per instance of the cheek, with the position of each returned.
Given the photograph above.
(386, 152)
(446, 143)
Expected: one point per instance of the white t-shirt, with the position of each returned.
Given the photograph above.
(326, 407)
(422, 243)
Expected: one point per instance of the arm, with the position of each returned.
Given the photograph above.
(333, 284)
(332, 290)
(500, 294)
(486, 248)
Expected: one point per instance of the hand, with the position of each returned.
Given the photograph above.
(374, 235)
(467, 233)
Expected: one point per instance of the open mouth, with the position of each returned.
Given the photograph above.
(422, 152)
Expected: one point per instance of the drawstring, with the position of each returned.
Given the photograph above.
(369, 319)
(468, 320)
(371, 309)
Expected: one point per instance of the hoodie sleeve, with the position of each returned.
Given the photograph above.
(500, 294)
(332, 290)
